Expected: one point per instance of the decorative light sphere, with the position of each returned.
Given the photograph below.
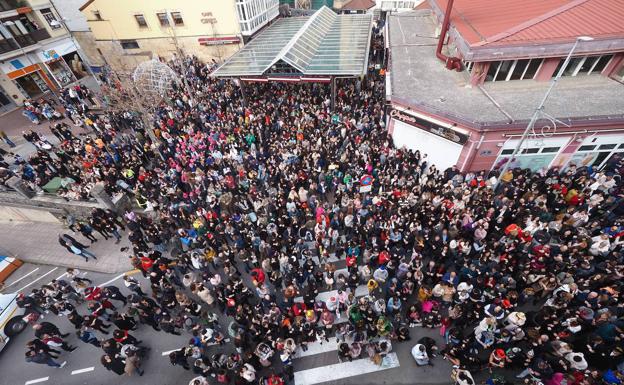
(154, 77)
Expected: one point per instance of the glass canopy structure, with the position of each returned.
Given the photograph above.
(324, 44)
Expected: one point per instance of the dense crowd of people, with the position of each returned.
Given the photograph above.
(256, 235)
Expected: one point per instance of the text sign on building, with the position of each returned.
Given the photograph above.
(50, 55)
(207, 18)
(430, 127)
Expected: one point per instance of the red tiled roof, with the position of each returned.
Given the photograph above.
(423, 5)
(498, 22)
(356, 5)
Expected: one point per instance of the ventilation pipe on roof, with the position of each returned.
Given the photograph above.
(452, 63)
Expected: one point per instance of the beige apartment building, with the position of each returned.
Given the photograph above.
(130, 32)
(37, 53)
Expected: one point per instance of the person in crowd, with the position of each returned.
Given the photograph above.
(248, 200)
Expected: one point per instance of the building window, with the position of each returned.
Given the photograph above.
(586, 148)
(601, 64)
(163, 19)
(503, 70)
(177, 18)
(532, 68)
(607, 147)
(129, 44)
(140, 19)
(584, 65)
(517, 70)
(513, 70)
(97, 15)
(619, 75)
(550, 149)
(50, 18)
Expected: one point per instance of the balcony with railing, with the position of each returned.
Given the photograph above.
(23, 41)
(40, 34)
(9, 5)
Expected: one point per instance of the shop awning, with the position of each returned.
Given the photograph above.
(219, 40)
(322, 44)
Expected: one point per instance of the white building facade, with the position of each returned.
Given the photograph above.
(255, 14)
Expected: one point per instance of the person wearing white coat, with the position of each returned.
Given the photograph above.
(419, 352)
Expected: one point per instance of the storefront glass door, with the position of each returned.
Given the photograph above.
(32, 85)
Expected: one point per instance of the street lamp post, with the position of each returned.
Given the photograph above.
(540, 108)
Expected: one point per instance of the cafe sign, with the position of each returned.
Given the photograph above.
(435, 129)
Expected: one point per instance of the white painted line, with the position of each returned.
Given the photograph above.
(342, 370)
(82, 370)
(61, 276)
(170, 351)
(49, 272)
(112, 280)
(317, 347)
(22, 277)
(37, 380)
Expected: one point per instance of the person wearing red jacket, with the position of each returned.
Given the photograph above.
(258, 276)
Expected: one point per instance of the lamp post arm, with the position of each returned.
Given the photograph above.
(536, 114)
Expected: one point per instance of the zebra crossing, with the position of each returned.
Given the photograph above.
(342, 370)
(327, 352)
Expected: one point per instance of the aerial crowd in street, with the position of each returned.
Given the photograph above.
(248, 205)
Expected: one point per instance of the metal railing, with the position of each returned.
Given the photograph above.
(22, 41)
(40, 34)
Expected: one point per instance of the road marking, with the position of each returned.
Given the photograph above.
(112, 280)
(61, 276)
(19, 279)
(342, 370)
(48, 273)
(82, 370)
(170, 351)
(37, 380)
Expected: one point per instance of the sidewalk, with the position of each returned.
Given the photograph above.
(37, 242)
(14, 123)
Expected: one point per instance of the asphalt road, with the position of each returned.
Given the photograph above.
(83, 366)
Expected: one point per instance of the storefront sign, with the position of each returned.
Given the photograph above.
(55, 51)
(444, 132)
(218, 40)
(50, 55)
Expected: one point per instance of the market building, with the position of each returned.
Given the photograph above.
(502, 57)
(37, 53)
(317, 48)
(127, 33)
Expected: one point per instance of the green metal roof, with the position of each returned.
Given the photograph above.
(322, 44)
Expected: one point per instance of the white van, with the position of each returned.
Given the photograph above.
(11, 318)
